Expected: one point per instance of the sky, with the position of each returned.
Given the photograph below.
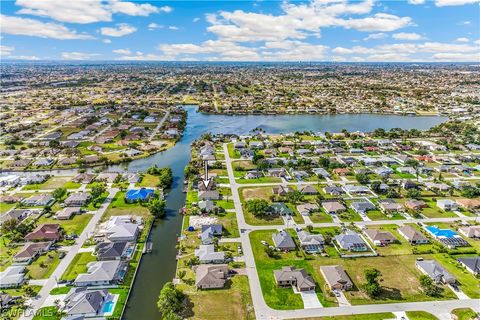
(316, 30)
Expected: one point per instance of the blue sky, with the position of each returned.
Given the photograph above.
(317, 30)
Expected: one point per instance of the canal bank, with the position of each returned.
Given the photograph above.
(159, 266)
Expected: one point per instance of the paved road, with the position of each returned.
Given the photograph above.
(159, 125)
(262, 311)
(51, 283)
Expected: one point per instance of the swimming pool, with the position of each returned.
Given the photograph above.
(441, 233)
(108, 307)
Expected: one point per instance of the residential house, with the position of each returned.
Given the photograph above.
(435, 271)
(361, 207)
(12, 277)
(211, 276)
(280, 190)
(30, 251)
(447, 204)
(84, 178)
(279, 208)
(206, 254)
(17, 214)
(351, 241)
(101, 273)
(310, 243)
(415, 204)
(379, 237)
(119, 250)
(283, 241)
(336, 278)
(82, 302)
(206, 205)
(209, 195)
(209, 232)
(412, 235)
(333, 207)
(470, 231)
(77, 199)
(121, 228)
(141, 194)
(389, 206)
(297, 278)
(472, 264)
(333, 190)
(308, 190)
(47, 231)
(38, 200)
(469, 204)
(253, 174)
(67, 213)
(306, 208)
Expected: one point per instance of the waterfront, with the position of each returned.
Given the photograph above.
(159, 266)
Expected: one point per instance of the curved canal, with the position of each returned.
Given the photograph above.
(159, 266)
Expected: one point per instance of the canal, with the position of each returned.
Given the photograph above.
(158, 267)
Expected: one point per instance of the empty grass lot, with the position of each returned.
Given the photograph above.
(74, 225)
(148, 180)
(119, 207)
(44, 266)
(78, 265)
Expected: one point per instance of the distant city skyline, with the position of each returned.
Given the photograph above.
(318, 30)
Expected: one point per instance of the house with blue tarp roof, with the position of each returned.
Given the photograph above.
(143, 194)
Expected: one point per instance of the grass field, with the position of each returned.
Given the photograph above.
(367, 316)
(255, 193)
(148, 180)
(4, 207)
(464, 314)
(44, 266)
(78, 265)
(420, 315)
(119, 207)
(75, 225)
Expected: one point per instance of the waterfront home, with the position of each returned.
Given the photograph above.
(333, 207)
(121, 228)
(336, 277)
(379, 237)
(310, 243)
(292, 277)
(100, 273)
(12, 277)
(412, 235)
(47, 231)
(81, 302)
(77, 199)
(30, 251)
(472, 264)
(209, 195)
(351, 241)
(84, 178)
(206, 254)
(43, 162)
(447, 204)
(435, 271)
(141, 194)
(209, 232)
(206, 205)
(283, 241)
(119, 250)
(470, 231)
(211, 276)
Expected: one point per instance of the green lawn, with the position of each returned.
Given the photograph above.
(464, 313)
(259, 180)
(148, 180)
(78, 265)
(60, 290)
(44, 266)
(420, 315)
(4, 207)
(119, 207)
(75, 225)
(320, 217)
(47, 313)
(367, 316)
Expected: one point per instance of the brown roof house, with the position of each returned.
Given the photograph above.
(333, 207)
(297, 278)
(30, 251)
(211, 276)
(379, 237)
(412, 235)
(48, 231)
(336, 277)
(415, 204)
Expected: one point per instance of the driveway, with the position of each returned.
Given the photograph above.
(310, 300)
(459, 293)
(342, 300)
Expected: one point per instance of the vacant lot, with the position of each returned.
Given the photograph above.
(75, 225)
(119, 207)
(78, 265)
(256, 193)
(43, 267)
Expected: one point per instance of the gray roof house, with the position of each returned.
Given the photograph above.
(30, 251)
(310, 243)
(206, 254)
(77, 199)
(283, 241)
(206, 205)
(114, 250)
(209, 276)
(351, 241)
(362, 207)
(298, 278)
(412, 235)
(209, 195)
(12, 276)
(102, 273)
(336, 277)
(84, 302)
(209, 232)
(435, 271)
(472, 264)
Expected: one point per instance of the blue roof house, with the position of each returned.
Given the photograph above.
(143, 194)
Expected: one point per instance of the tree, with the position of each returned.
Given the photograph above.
(413, 193)
(59, 193)
(470, 191)
(376, 186)
(294, 196)
(257, 207)
(170, 302)
(371, 285)
(362, 178)
(156, 207)
(9, 226)
(429, 287)
(97, 190)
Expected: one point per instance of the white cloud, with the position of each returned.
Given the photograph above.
(416, 2)
(35, 28)
(24, 57)
(85, 11)
(443, 3)
(379, 22)
(465, 57)
(6, 50)
(152, 26)
(411, 36)
(375, 36)
(107, 41)
(122, 51)
(140, 56)
(462, 39)
(477, 42)
(122, 30)
(173, 28)
(78, 55)
(196, 19)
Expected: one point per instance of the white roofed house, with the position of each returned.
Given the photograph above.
(12, 276)
(447, 204)
(120, 228)
(102, 273)
(83, 302)
(77, 199)
(207, 254)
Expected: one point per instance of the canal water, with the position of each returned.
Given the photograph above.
(158, 267)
